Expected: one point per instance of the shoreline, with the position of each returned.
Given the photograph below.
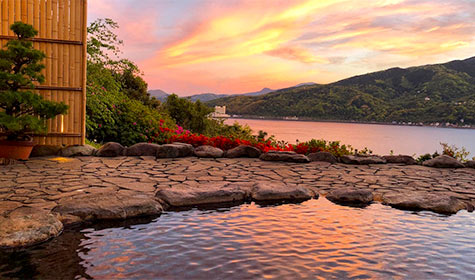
(342, 121)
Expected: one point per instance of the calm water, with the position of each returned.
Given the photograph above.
(379, 138)
(315, 239)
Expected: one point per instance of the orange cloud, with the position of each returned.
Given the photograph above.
(242, 33)
(244, 45)
(298, 54)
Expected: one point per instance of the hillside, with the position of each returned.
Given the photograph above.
(431, 93)
(204, 97)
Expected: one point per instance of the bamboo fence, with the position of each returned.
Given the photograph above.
(62, 37)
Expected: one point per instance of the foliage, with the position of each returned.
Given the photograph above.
(451, 150)
(460, 154)
(236, 130)
(193, 116)
(112, 115)
(133, 85)
(93, 144)
(313, 146)
(102, 41)
(423, 158)
(164, 135)
(23, 111)
(428, 94)
(118, 106)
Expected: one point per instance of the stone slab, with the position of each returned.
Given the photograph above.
(28, 226)
(91, 208)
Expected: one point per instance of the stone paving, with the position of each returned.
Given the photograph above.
(43, 182)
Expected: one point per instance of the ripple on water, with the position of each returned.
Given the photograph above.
(294, 241)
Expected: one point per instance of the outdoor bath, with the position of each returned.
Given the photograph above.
(252, 241)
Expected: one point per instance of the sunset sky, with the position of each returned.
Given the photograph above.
(235, 46)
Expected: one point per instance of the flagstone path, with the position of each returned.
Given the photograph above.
(43, 182)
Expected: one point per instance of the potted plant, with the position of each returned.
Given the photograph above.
(22, 112)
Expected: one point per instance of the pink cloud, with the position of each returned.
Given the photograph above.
(230, 46)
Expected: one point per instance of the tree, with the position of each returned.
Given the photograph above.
(119, 107)
(192, 116)
(24, 112)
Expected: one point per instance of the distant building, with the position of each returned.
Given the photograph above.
(219, 113)
(294, 118)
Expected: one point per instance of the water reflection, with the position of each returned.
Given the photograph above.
(312, 240)
(57, 259)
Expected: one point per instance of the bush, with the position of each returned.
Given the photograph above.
(112, 116)
(313, 146)
(423, 158)
(460, 154)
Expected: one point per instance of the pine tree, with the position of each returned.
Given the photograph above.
(22, 112)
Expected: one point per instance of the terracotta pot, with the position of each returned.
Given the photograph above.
(16, 149)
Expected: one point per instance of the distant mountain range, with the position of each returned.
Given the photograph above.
(205, 97)
(443, 93)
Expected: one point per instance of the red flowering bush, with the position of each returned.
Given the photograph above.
(164, 134)
(224, 143)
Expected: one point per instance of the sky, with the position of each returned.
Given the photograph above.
(235, 46)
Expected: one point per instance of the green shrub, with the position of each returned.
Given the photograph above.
(451, 150)
(423, 158)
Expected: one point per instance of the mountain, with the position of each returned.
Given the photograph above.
(257, 93)
(430, 93)
(159, 94)
(204, 97)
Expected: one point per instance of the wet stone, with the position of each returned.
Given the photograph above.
(89, 208)
(28, 226)
(350, 196)
(276, 191)
(186, 195)
(439, 203)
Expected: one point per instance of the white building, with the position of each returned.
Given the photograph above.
(219, 112)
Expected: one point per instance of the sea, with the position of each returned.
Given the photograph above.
(379, 138)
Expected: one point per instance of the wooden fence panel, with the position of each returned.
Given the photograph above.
(61, 26)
